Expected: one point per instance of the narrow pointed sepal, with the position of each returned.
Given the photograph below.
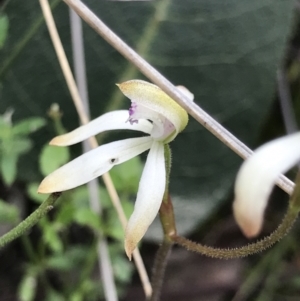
(149, 197)
(93, 164)
(256, 179)
(116, 120)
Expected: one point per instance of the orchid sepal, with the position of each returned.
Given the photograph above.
(149, 198)
(93, 164)
(116, 120)
(256, 179)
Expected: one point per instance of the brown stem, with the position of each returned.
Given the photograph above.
(159, 268)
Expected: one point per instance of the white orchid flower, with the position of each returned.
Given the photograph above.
(256, 179)
(152, 112)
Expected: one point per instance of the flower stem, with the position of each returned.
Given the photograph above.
(295, 199)
(244, 251)
(30, 221)
(167, 220)
(168, 163)
(166, 213)
(159, 268)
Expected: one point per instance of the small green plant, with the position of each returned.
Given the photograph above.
(73, 258)
(14, 142)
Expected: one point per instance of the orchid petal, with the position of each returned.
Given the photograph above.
(110, 121)
(93, 164)
(149, 197)
(257, 177)
(155, 99)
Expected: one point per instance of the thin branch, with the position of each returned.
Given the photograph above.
(93, 142)
(104, 260)
(192, 108)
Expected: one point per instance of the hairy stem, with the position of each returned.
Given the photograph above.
(30, 221)
(244, 251)
(159, 268)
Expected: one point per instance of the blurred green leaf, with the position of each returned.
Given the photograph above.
(88, 290)
(225, 52)
(122, 268)
(53, 295)
(11, 149)
(9, 213)
(32, 192)
(126, 176)
(112, 226)
(80, 197)
(65, 215)
(52, 157)
(27, 287)
(20, 146)
(87, 217)
(15, 146)
(5, 129)
(69, 260)
(9, 168)
(28, 126)
(50, 236)
(3, 29)
(77, 296)
(104, 197)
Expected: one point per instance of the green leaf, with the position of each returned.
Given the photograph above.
(65, 215)
(32, 192)
(28, 126)
(51, 237)
(113, 226)
(15, 146)
(9, 168)
(9, 213)
(52, 157)
(27, 288)
(54, 295)
(5, 129)
(126, 176)
(86, 217)
(20, 145)
(69, 260)
(3, 29)
(122, 269)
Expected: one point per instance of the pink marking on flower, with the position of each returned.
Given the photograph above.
(132, 111)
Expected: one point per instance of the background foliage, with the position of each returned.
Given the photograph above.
(225, 52)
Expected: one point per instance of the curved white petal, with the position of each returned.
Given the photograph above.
(149, 197)
(93, 164)
(152, 97)
(110, 121)
(257, 177)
